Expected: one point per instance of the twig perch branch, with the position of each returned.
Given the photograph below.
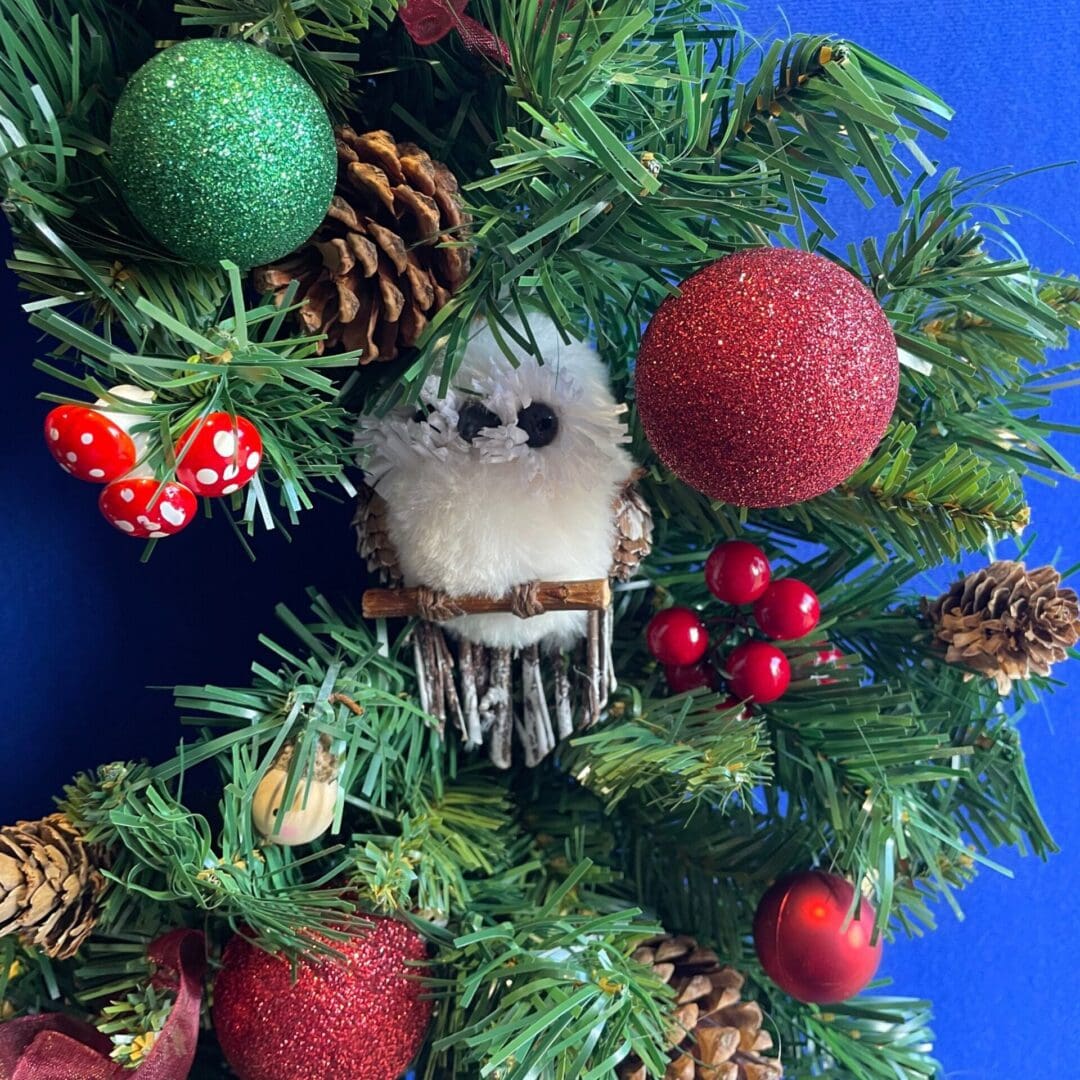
(590, 595)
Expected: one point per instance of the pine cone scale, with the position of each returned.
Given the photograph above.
(378, 268)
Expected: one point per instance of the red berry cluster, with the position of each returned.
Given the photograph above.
(217, 455)
(738, 573)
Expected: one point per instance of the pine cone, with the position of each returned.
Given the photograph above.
(1006, 622)
(373, 275)
(49, 885)
(717, 1036)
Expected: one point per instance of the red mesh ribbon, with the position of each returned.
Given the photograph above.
(53, 1046)
(428, 21)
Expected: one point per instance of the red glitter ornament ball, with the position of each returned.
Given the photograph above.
(758, 671)
(769, 379)
(362, 1017)
(676, 637)
(801, 941)
(737, 572)
(788, 609)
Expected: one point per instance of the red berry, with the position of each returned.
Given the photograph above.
(737, 572)
(143, 507)
(87, 444)
(685, 677)
(758, 670)
(676, 636)
(218, 454)
(788, 609)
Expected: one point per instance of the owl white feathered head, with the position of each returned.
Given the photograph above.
(546, 422)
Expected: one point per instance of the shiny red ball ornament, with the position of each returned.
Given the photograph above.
(361, 1017)
(759, 671)
(801, 941)
(218, 454)
(737, 572)
(769, 379)
(142, 507)
(686, 677)
(676, 636)
(788, 609)
(88, 444)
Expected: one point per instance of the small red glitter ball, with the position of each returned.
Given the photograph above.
(759, 671)
(737, 572)
(769, 379)
(362, 1017)
(801, 942)
(676, 636)
(686, 677)
(788, 609)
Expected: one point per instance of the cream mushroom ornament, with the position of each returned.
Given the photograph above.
(313, 804)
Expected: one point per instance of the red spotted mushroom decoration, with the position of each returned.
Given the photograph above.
(95, 442)
(143, 507)
(87, 444)
(218, 454)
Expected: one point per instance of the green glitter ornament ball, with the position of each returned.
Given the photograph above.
(224, 152)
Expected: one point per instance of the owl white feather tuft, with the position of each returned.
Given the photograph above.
(482, 515)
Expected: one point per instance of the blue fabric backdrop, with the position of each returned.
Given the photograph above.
(85, 629)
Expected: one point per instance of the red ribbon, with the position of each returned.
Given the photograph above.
(428, 21)
(52, 1046)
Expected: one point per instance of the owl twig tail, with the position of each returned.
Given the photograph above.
(492, 694)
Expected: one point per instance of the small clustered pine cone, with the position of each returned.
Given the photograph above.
(50, 885)
(715, 1034)
(378, 267)
(1006, 622)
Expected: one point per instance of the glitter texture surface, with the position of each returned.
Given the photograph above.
(769, 380)
(361, 1019)
(224, 152)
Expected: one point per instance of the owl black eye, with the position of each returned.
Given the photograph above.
(473, 418)
(539, 422)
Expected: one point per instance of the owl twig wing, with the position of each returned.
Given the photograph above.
(633, 531)
(373, 537)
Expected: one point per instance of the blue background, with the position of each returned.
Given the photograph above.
(84, 628)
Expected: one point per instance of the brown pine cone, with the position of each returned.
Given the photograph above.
(716, 1035)
(1006, 622)
(374, 273)
(49, 885)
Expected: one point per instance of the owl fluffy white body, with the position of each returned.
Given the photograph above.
(483, 515)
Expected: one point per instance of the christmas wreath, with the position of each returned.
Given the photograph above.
(644, 740)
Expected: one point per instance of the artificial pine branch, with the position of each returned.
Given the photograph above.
(610, 186)
(669, 750)
(549, 995)
(868, 1038)
(428, 859)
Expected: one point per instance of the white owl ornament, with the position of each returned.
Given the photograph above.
(519, 475)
